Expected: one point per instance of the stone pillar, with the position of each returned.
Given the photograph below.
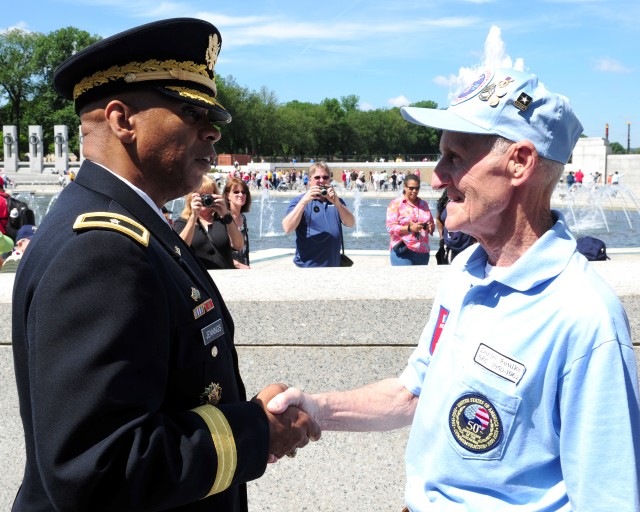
(61, 147)
(10, 143)
(36, 149)
(590, 155)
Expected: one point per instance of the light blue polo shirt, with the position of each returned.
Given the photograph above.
(528, 389)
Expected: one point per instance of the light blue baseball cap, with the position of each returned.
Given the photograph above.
(513, 105)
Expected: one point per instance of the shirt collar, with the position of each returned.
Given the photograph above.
(140, 192)
(544, 260)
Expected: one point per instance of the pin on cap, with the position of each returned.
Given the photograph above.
(513, 105)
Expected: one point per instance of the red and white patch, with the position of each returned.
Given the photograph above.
(443, 315)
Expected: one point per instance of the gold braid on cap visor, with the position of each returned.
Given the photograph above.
(149, 70)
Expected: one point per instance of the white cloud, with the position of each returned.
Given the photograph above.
(444, 81)
(22, 25)
(259, 31)
(399, 101)
(608, 65)
(364, 106)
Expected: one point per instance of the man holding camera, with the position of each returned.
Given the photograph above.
(317, 217)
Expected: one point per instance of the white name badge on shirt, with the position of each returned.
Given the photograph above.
(499, 364)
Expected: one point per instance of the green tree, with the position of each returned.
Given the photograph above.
(262, 121)
(48, 107)
(297, 122)
(18, 72)
(235, 99)
(617, 148)
(27, 64)
(261, 125)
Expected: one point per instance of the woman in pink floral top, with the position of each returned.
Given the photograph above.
(409, 222)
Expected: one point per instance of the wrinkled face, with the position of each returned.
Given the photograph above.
(477, 181)
(174, 143)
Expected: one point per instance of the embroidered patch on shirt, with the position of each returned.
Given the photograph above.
(443, 314)
(475, 423)
(212, 331)
(497, 363)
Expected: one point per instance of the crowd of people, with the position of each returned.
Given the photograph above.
(218, 232)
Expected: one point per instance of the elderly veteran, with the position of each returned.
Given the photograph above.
(518, 399)
(127, 373)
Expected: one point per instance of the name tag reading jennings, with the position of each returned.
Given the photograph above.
(212, 331)
(495, 362)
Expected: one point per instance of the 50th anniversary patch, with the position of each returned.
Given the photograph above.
(475, 423)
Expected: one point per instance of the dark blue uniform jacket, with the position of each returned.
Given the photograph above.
(114, 343)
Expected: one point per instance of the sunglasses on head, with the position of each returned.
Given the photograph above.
(320, 178)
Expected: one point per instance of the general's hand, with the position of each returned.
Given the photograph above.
(290, 429)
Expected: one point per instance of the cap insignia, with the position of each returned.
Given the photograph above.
(478, 85)
(193, 94)
(213, 50)
(487, 92)
(523, 101)
(492, 93)
(148, 70)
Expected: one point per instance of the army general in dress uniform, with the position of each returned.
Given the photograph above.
(127, 374)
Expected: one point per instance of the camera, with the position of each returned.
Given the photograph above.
(207, 200)
(323, 191)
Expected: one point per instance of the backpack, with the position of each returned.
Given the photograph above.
(592, 248)
(455, 240)
(19, 214)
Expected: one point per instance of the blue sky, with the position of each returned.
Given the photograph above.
(390, 53)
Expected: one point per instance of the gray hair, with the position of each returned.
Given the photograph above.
(552, 170)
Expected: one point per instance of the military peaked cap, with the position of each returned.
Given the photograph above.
(176, 57)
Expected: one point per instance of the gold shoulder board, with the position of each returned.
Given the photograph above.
(114, 222)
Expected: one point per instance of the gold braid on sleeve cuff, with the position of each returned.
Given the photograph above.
(225, 446)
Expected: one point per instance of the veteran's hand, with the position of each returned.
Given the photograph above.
(290, 429)
(296, 398)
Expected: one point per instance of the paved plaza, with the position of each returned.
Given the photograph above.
(316, 329)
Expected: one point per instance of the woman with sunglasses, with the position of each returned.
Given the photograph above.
(208, 228)
(409, 223)
(236, 193)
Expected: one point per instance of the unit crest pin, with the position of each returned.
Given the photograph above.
(212, 394)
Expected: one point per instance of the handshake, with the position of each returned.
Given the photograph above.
(290, 427)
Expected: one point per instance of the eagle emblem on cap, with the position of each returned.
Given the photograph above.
(212, 51)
